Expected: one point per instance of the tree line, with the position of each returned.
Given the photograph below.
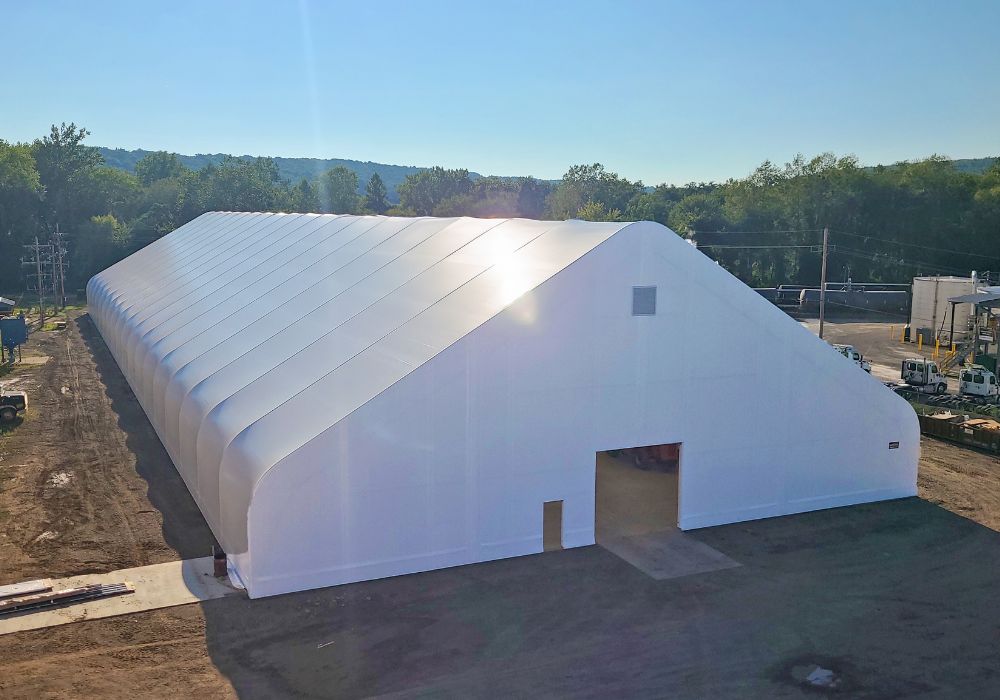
(887, 223)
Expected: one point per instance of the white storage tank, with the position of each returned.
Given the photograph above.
(930, 308)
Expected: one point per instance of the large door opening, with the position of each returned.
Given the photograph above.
(636, 513)
(637, 491)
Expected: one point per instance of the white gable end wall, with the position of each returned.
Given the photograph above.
(451, 465)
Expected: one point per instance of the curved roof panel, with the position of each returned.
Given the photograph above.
(246, 335)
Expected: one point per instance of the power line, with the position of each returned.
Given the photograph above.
(758, 247)
(868, 255)
(847, 233)
(916, 245)
(869, 310)
(740, 233)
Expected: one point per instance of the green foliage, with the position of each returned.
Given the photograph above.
(424, 191)
(20, 200)
(158, 165)
(584, 185)
(290, 169)
(63, 164)
(888, 223)
(98, 243)
(376, 197)
(304, 197)
(498, 197)
(338, 191)
(106, 190)
(234, 185)
(595, 211)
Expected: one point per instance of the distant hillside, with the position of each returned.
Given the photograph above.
(291, 169)
(976, 166)
(294, 169)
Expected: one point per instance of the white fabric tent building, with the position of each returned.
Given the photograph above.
(353, 397)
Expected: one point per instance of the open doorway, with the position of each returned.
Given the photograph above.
(552, 525)
(637, 491)
(636, 514)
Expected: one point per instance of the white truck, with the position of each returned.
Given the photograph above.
(924, 375)
(978, 382)
(854, 356)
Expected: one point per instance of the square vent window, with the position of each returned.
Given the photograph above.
(643, 301)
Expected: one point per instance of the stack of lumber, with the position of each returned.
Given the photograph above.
(38, 595)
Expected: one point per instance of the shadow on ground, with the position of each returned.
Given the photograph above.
(184, 527)
(894, 597)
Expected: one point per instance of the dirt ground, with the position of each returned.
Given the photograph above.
(86, 485)
(965, 482)
(895, 597)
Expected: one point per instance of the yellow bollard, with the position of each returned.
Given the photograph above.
(902, 334)
(953, 347)
(937, 348)
(920, 342)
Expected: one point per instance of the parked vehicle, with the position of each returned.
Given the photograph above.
(854, 356)
(978, 382)
(924, 375)
(12, 403)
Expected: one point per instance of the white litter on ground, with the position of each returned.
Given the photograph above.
(156, 586)
(60, 479)
(822, 677)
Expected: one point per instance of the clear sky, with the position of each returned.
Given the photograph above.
(659, 91)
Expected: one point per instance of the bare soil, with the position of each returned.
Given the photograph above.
(964, 481)
(86, 485)
(895, 597)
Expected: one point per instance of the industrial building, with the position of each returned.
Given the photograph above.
(354, 397)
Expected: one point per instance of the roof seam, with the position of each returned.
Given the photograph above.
(242, 289)
(408, 320)
(458, 340)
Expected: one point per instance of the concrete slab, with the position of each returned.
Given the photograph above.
(668, 554)
(25, 588)
(156, 586)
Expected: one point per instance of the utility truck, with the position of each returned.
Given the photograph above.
(924, 375)
(854, 356)
(979, 383)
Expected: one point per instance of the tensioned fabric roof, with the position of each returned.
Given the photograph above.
(246, 335)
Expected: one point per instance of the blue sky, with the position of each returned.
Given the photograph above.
(660, 91)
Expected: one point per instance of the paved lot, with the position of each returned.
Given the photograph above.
(897, 598)
(877, 341)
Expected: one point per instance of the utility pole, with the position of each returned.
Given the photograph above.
(37, 251)
(59, 267)
(822, 280)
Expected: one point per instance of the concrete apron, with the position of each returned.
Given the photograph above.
(156, 586)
